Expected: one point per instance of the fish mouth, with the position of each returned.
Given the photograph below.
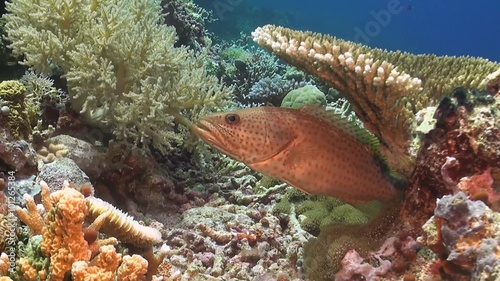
(208, 132)
(204, 130)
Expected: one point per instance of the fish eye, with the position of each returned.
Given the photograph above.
(232, 118)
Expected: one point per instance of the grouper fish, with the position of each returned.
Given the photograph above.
(309, 148)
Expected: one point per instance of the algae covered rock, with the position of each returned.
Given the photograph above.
(308, 94)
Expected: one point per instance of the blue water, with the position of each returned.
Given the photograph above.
(438, 27)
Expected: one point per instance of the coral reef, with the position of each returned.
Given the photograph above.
(271, 90)
(189, 21)
(68, 245)
(464, 235)
(242, 67)
(128, 88)
(385, 89)
(15, 111)
(121, 226)
(464, 144)
(307, 94)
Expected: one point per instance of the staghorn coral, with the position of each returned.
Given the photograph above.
(4, 264)
(31, 216)
(122, 69)
(32, 263)
(102, 267)
(385, 88)
(242, 67)
(122, 226)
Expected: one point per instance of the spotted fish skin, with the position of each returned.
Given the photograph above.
(301, 148)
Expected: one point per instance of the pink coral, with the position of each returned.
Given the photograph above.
(353, 264)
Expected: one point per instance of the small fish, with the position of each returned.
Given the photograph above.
(309, 148)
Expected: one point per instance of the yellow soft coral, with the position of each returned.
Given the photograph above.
(386, 89)
(63, 238)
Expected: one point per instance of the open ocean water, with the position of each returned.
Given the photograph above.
(438, 27)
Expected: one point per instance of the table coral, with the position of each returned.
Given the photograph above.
(385, 88)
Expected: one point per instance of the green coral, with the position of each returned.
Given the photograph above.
(16, 111)
(308, 94)
(322, 255)
(122, 69)
(234, 52)
(318, 212)
(32, 252)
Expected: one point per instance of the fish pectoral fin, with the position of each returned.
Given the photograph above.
(300, 154)
(290, 182)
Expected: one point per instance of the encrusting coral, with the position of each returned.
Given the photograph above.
(385, 88)
(70, 246)
(122, 69)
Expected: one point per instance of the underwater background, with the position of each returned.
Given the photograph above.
(454, 28)
(186, 140)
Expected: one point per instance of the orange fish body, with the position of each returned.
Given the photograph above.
(301, 148)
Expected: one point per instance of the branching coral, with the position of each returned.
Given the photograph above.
(63, 238)
(69, 246)
(385, 88)
(122, 69)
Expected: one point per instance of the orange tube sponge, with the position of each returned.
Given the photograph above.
(63, 237)
(133, 268)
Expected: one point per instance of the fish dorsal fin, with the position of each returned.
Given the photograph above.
(350, 127)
